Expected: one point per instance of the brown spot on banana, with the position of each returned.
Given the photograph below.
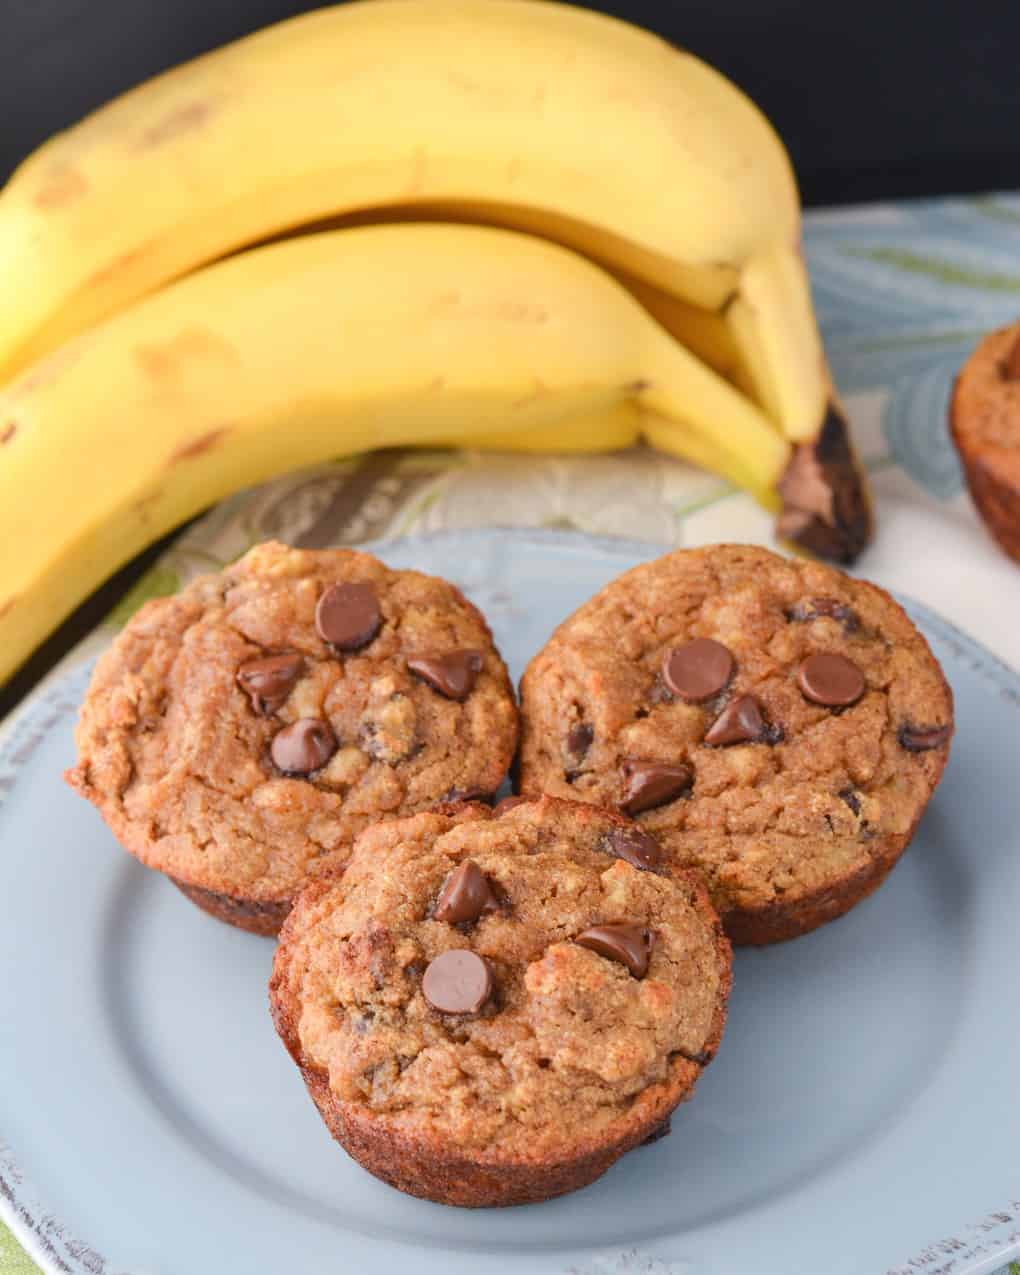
(62, 186)
(125, 261)
(164, 362)
(6, 607)
(826, 509)
(142, 508)
(200, 445)
(8, 432)
(182, 119)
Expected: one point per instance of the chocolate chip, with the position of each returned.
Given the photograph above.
(648, 784)
(347, 615)
(508, 803)
(697, 670)
(852, 799)
(269, 681)
(467, 794)
(636, 847)
(453, 675)
(1011, 367)
(579, 739)
(457, 982)
(830, 680)
(467, 895)
(920, 739)
(830, 608)
(631, 945)
(303, 746)
(740, 722)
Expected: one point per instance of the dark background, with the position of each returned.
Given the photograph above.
(874, 99)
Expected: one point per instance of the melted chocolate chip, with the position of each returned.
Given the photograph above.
(347, 615)
(631, 945)
(467, 794)
(453, 675)
(658, 693)
(636, 847)
(269, 681)
(921, 739)
(579, 739)
(829, 608)
(304, 746)
(740, 722)
(457, 982)
(852, 799)
(648, 784)
(467, 895)
(698, 669)
(830, 680)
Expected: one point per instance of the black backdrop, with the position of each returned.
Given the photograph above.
(874, 97)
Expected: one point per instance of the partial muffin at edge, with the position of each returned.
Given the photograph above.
(984, 420)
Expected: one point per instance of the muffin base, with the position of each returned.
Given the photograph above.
(246, 914)
(426, 1169)
(429, 1168)
(781, 921)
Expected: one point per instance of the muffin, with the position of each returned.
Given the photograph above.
(490, 1008)
(774, 724)
(239, 735)
(984, 420)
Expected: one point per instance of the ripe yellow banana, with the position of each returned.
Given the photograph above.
(539, 116)
(557, 118)
(321, 346)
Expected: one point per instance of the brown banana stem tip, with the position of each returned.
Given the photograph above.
(826, 508)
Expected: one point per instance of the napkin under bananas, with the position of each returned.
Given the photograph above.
(495, 223)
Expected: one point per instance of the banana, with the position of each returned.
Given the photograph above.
(321, 346)
(537, 116)
(605, 430)
(549, 118)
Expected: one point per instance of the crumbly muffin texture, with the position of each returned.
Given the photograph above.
(772, 794)
(237, 777)
(569, 1038)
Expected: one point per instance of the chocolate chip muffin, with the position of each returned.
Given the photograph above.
(984, 420)
(774, 724)
(239, 735)
(491, 1007)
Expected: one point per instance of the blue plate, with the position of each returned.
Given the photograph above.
(862, 1116)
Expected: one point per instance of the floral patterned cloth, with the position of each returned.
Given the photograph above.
(903, 293)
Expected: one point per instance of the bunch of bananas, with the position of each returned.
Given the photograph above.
(522, 225)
